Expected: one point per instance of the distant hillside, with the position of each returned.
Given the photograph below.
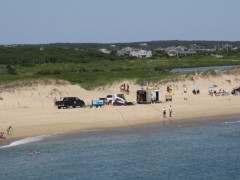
(31, 55)
(84, 64)
(143, 44)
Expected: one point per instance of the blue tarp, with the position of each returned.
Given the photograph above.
(97, 102)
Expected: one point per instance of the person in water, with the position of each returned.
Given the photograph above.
(30, 152)
(37, 152)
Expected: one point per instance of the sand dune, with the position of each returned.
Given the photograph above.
(30, 110)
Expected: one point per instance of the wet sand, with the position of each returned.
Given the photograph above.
(148, 128)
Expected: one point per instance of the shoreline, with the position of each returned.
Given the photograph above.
(30, 110)
(151, 127)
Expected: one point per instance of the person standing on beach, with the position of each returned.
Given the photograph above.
(185, 93)
(164, 112)
(54, 101)
(170, 111)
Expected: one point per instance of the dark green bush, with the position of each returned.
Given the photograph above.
(11, 70)
(117, 69)
(159, 69)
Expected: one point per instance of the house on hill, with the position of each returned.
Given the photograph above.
(105, 51)
(201, 49)
(177, 51)
(139, 53)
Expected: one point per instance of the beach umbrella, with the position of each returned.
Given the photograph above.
(196, 86)
(213, 86)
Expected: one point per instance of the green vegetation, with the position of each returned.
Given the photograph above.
(90, 68)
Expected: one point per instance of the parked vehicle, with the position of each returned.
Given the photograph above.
(236, 91)
(149, 96)
(116, 99)
(144, 96)
(70, 102)
(104, 100)
(168, 97)
(97, 103)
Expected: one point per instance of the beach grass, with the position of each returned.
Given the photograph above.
(92, 74)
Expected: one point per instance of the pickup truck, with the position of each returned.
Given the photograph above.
(70, 102)
(116, 99)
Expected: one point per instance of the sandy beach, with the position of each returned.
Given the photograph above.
(30, 109)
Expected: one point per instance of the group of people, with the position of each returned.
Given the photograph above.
(165, 112)
(2, 135)
(195, 92)
(8, 132)
(221, 92)
(169, 89)
(124, 87)
(36, 152)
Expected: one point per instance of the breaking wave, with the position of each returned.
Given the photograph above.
(29, 140)
(232, 122)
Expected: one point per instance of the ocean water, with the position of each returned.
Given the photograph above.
(198, 152)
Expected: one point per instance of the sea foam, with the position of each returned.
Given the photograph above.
(29, 140)
(232, 122)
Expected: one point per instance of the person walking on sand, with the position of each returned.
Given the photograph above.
(170, 111)
(9, 130)
(164, 112)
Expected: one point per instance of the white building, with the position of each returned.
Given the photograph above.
(179, 51)
(134, 52)
(140, 53)
(105, 51)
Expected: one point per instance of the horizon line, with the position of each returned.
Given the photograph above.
(124, 42)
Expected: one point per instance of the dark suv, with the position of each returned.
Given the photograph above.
(70, 102)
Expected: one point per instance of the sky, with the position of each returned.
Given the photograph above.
(114, 21)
